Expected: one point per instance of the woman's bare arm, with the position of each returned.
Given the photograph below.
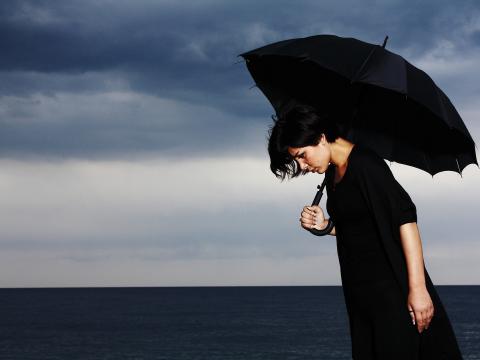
(419, 299)
(412, 247)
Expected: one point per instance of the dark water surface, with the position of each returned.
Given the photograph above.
(187, 323)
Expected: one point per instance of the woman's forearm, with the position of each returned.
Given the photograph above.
(412, 248)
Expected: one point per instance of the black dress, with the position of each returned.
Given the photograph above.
(380, 324)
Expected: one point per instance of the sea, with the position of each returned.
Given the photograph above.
(193, 323)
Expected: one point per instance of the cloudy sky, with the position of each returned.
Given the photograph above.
(133, 148)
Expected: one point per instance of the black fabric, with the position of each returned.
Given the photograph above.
(364, 259)
(367, 206)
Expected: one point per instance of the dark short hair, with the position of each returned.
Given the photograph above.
(300, 126)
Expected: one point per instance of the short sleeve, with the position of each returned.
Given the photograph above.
(408, 212)
(402, 207)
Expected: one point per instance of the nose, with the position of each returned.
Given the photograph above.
(303, 165)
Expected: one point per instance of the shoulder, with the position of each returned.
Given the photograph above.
(375, 174)
(366, 160)
(372, 167)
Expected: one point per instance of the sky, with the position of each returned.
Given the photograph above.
(133, 146)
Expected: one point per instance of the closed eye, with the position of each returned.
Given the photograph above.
(302, 155)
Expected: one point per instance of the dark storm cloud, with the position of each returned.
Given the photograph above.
(183, 51)
(61, 36)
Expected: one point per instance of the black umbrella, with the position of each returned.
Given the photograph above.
(379, 98)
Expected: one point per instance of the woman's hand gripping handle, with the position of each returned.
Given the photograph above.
(312, 217)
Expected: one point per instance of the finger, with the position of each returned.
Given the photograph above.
(305, 226)
(427, 318)
(422, 321)
(418, 320)
(308, 218)
(308, 208)
(312, 217)
(412, 315)
(308, 224)
(424, 318)
(419, 328)
(313, 209)
(308, 213)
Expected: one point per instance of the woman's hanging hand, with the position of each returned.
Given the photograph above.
(420, 302)
(312, 217)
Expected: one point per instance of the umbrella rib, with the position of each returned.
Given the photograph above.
(363, 64)
(458, 166)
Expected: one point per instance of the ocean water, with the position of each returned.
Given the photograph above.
(189, 323)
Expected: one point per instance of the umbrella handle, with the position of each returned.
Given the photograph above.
(316, 201)
(325, 231)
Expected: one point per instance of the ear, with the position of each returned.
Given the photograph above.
(323, 139)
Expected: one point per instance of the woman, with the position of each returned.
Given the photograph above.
(393, 308)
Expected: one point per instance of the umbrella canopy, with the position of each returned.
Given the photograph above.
(379, 98)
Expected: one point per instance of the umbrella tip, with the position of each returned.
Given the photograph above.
(385, 42)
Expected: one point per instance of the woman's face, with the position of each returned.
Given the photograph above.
(313, 158)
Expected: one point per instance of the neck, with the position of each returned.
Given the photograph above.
(339, 151)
